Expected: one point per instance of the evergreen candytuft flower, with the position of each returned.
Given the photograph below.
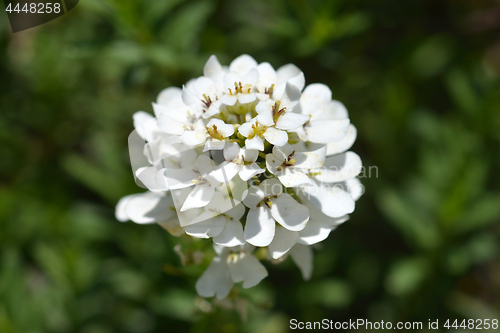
(246, 157)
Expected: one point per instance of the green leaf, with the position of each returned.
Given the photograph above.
(482, 213)
(418, 228)
(406, 276)
(331, 293)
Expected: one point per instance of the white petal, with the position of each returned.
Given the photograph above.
(224, 129)
(183, 114)
(198, 218)
(271, 187)
(169, 150)
(265, 117)
(232, 235)
(231, 151)
(260, 226)
(253, 196)
(250, 78)
(243, 64)
(141, 117)
(283, 152)
(190, 216)
(287, 71)
(317, 215)
(225, 171)
(195, 138)
(189, 98)
(283, 241)
(291, 73)
(212, 67)
(204, 165)
(174, 155)
(264, 110)
(273, 163)
(289, 213)
(143, 124)
(275, 137)
(266, 70)
(291, 120)
(302, 256)
(298, 80)
(236, 212)
(245, 267)
(267, 76)
(355, 188)
(310, 160)
(331, 199)
(177, 178)
(293, 177)
(292, 93)
(246, 98)
(215, 281)
(246, 128)
(229, 99)
(202, 85)
(340, 167)
(314, 232)
(334, 109)
(148, 177)
(149, 207)
(214, 144)
(326, 130)
(200, 196)
(217, 203)
(212, 110)
(171, 98)
(121, 208)
(318, 91)
(250, 170)
(344, 144)
(264, 106)
(334, 222)
(256, 143)
(208, 228)
(250, 155)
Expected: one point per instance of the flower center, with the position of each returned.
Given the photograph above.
(212, 131)
(266, 201)
(289, 161)
(240, 160)
(277, 112)
(207, 101)
(269, 91)
(258, 130)
(240, 89)
(188, 127)
(200, 181)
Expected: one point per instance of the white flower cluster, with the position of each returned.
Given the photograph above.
(247, 156)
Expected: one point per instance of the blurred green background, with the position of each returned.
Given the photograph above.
(421, 82)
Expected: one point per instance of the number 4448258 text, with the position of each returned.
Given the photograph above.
(35, 8)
